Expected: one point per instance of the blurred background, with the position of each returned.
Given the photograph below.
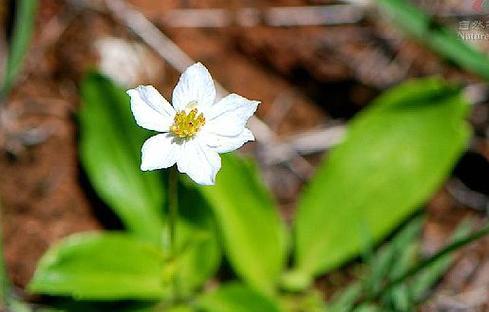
(314, 64)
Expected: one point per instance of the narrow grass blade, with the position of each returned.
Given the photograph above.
(425, 264)
(21, 37)
(386, 263)
(437, 37)
(426, 279)
(345, 301)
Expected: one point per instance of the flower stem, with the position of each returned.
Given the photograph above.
(172, 224)
(172, 210)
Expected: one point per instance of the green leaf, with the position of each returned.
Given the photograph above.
(236, 297)
(253, 233)
(19, 306)
(387, 262)
(395, 257)
(431, 263)
(101, 266)
(309, 301)
(400, 298)
(425, 279)
(390, 263)
(21, 37)
(110, 151)
(368, 308)
(67, 304)
(198, 242)
(110, 143)
(180, 308)
(439, 38)
(346, 299)
(395, 155)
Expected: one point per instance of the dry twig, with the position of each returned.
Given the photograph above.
(274, 16)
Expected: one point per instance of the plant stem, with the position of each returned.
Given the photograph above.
(172, 210)
(172, 222)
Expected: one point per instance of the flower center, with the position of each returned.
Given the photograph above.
(186, 125)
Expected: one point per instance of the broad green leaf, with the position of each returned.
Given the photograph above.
(236, 297)
(439, 38)
(253, 233)
(110, 151)
(101, 266)
(21, 37)
(180, 308)
(66, 304)
(110, 143)
(395, 155)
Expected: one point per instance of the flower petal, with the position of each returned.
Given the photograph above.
(199, 162)
(195, 84)
(228, 117)
(150, 109)
(160, 151)
(225, 144)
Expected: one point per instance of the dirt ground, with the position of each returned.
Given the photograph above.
(306, 77)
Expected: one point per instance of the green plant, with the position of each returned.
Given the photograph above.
(407, 141)
(396, 278)
(435, 36)
(21, 37)
(396, 154)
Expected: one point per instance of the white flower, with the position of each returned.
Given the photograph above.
(195, 129)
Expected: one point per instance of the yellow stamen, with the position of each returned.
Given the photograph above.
(186, 125)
